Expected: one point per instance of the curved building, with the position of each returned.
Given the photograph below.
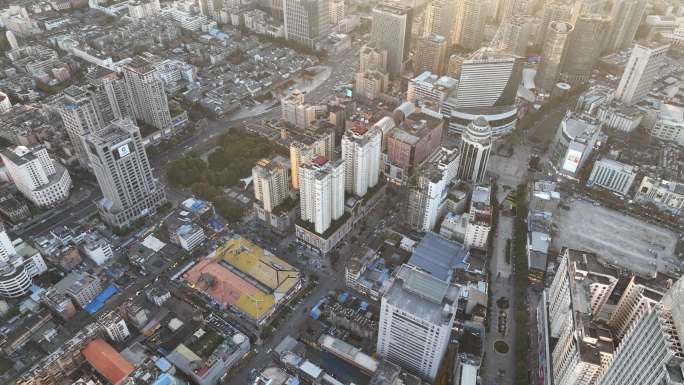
(552, 54)
(476, 144)
(15, 281)
(502, 120)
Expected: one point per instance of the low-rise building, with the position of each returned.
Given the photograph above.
(667, 195)
(612, 175)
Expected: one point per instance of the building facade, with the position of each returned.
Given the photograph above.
(641, 72)
(626, 16)
(124, 174)
(41, 180)
(476, 145)
(612, 175)
(80, 118)
(553, 50)
(361, 149)
(306, 21)
(145, 90)
(271, 179)
(321, 192)
(391, 31)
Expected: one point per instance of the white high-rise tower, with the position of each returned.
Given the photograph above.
(361, 149)
(640, 73)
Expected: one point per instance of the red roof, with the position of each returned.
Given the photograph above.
(107, 361)
(319, 160)
(359, 129)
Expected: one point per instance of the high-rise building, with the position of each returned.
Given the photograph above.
(146, 93)
(641, 72)
(489, 79)
(439, 16)
(114, 325)
(455, 65)
(271, 179)
(41, 180)
(584, 48)
(361, 149)
(651, 352)
(305, 146)
(553, 51)
(515, 35)
(553, 11)
(80, 118)
(625, 16)
(430, 91)
(321, 192)
(337, 11)
(391, 31)
(476, 143)
(469, 24)
(108, 92)
(416, 316)
(428, 189)
(430, 54)
(306, 21)
(129, 190)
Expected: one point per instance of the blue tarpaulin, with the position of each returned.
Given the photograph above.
(98, 302)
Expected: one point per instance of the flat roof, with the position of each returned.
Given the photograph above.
(438, 256)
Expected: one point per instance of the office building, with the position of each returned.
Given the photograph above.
(321, 192)
(361, 149)
(123, 172)
(306, 21)
(80, 118)
(416, 316)
(391, 31)
(553, 53)
(145, 90)
(469, 22)
(515, 35)
(41, 180)
(430, 54)
(669, 124)
(476, 144)
(584, 48)
(554, 11)
(612, 175)
(574, 142)
(428, 189)
(666, 195)
(479, 219)
(305, 146)
(271, 179)
(488, 79)
(139, 9)
(626, 16)
(651, 352)
(641, 72)
(439, 16)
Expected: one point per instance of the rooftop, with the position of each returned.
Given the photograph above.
(439, 256)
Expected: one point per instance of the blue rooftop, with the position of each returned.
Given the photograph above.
(164, 379)
(98, 302)
(163, 364)
(439, 256)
